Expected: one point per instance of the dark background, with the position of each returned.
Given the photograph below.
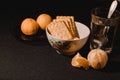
(37, 60)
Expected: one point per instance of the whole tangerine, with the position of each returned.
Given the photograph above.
(29, 26)
(97, 58)
(43, 20)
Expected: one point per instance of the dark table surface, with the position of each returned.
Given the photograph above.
(37, 60)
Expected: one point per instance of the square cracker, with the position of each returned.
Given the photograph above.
(59, 30)
(71, 22)
(63, 27)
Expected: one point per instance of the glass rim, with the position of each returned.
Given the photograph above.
(107, 9)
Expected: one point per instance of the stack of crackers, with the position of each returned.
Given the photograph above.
(63, 27)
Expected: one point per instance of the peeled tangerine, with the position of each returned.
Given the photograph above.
(29, 26)
(97, 58)
(79, 61)
(43, 20)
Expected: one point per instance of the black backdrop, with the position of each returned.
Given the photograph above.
(22, 60)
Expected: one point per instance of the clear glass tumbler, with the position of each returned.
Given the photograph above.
(103, 30)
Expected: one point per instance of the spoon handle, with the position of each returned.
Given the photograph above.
(112, 8)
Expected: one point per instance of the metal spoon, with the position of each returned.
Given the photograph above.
(111, 10)
(106, 29)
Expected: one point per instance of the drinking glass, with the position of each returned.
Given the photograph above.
(103, 29)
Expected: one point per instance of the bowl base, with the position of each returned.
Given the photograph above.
(63, 53)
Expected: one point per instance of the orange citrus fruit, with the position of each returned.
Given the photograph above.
(43, 20)
(29, 26)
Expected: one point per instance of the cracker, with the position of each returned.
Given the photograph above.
(63, 27)
(67, 21)
(74, 27)
(58, 30)
(64, 21)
